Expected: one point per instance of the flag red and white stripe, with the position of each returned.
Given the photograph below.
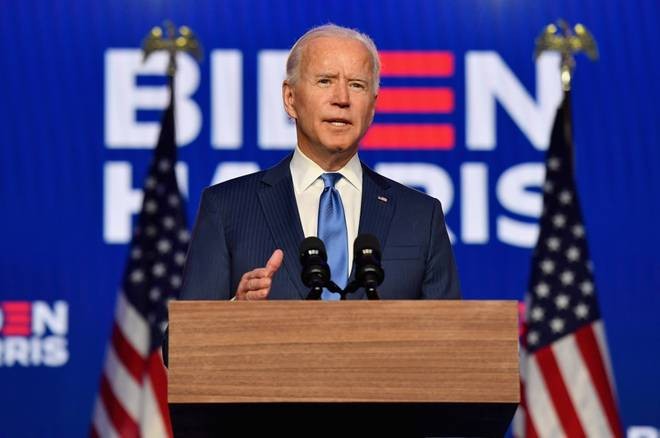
(132, 400)
(567, 389)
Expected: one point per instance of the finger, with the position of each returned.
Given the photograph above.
(274, 262)
(242, 286)
(256, 273)
(258, 283)
(255, 295)
(253, 284)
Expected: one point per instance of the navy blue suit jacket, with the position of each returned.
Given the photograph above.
(241, 222)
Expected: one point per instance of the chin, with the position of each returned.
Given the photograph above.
(343, 146)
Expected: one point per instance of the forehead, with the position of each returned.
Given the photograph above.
(336, 53)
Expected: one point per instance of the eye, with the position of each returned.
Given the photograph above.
(323, 81)
(358, 85)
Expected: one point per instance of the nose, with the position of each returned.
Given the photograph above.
(341, 96)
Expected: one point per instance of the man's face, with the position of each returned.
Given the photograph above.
(333, 100)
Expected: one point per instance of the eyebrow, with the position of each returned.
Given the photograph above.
(335, 75)
(326, 75)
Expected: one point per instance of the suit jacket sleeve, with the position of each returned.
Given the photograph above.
(206, 274)
(440, 276)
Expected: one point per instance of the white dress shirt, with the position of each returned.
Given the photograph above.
(308, 186)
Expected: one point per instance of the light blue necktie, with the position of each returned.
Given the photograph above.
(332, 231)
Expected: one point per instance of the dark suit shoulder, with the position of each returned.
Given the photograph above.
(240, 183)
(250, 183)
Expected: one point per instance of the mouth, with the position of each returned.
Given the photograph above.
(338, 122)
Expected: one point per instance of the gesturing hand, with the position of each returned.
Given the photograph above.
(255, 285)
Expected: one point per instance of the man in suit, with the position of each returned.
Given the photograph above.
(321, 189)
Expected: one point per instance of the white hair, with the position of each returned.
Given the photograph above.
(330, 30)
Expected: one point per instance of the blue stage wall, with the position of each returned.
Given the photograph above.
(79, 112)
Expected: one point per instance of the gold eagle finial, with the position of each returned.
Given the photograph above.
(184, 41)
(561, 38)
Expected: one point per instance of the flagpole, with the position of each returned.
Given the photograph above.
(133, 402)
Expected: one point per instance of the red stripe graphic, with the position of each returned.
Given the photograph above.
(417, 64)
(18, 318)
(158, 379)
(409, 136)
(16, 306)
(593, 358)
(123, 423)
(436, 100)
(558, 392)
(16, 330)
(129, 356)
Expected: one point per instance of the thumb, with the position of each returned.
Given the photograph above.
(274, 262)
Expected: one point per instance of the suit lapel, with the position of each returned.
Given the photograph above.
(279, 206)
(376, 211)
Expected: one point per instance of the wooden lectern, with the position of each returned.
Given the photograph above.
(343, 368)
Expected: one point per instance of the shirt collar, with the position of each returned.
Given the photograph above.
(304, 171)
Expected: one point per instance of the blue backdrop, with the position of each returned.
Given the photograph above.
(78, 112)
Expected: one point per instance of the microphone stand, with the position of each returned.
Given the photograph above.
(317, 289)
(372, 293)
(315, 293)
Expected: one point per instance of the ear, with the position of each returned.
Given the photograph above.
(373, 108)
(289, 99)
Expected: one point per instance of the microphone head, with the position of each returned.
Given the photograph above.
(314, 260)
(367, 245)
(366, 254)
(312, 247)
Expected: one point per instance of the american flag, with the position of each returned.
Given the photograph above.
(567, 385)
(132, 399)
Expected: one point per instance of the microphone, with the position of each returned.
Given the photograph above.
(315, 272)
(368, 272)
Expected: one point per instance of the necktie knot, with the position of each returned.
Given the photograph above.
(330, 179)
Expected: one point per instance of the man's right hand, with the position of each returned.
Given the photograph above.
(255, 285)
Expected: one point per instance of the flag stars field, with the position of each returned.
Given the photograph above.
(554, 163)
(581, 311)
(573, 254)
(578, 231)
(553, 243)
(562, 301)
(548, 187)
(559, 220)
(537, 314)
(547, 266)
(164, 165)
(557, 325)
(137, 276)
(179, 258)
(168, 222)
(164, 246)
(587, 288)
(542, 290)
(567, 278)
(565, 197)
